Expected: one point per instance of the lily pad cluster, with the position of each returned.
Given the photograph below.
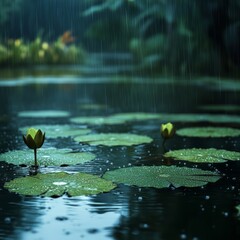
(59, 183)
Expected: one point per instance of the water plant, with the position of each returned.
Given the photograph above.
(167, 131)
(34, 139)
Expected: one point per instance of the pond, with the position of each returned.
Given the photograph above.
(106, 87)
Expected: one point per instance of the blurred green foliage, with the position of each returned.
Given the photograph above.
(177, 36)
(18, 52)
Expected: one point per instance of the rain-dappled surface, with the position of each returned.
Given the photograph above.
(126, 212)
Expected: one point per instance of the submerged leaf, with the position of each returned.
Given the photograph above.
(55, 131)
(47, 157)
(113, 139)
(44, 114)
(161, 176)
(57, 184)
(209, 132)
(210, 155)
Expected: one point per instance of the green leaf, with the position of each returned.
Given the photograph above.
(113, 139)
(55, 131)
(43, 114)
(136, 116)
(161, 176)
(47, 157)
(209, 132)
(238, 210)
(96, 120)
(198, 155)
(116, 118)
(185, 117)
(57, 184)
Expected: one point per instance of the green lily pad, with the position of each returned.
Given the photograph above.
(209, 132)
(43, 114)
(185, 117)
(113, 139)
(96, 120)
(161, 176)
(222, 108)
(139, 116)
(57, 184)
(55, 131)
(116, 118)
(238, 210)
(198, 155)
(47, 157)
(92, 106)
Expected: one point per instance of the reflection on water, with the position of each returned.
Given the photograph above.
(126, 212)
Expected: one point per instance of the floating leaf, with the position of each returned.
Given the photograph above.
(209, 132)
(210, 155)
(56, 184)
(96, 120)
(185, 117)
(222, 108)
(139, 116)
(161, 176)
(43, 114)
(47, 157)
(92, 106)
(116, 118)
(55, 131)
(238, 210)
(113, 139)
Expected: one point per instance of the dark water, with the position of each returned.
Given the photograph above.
(125, 212)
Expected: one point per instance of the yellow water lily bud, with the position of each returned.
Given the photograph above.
(167, 130)
(34, 138)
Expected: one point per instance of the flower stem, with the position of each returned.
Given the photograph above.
(35, 157)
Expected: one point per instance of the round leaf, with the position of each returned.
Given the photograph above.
(113, 139)
(215, 118)
(43, 114)
(57, 184)
(55, 131)
(47, 157)
(161, 176)
(209, 132)
(115, 119)
(210, 155)
(96, 120)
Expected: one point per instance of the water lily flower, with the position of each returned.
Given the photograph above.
(167, 130)
(34, 139)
